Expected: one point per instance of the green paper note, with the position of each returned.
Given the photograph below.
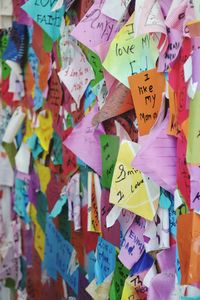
(109, 152)
(193, 146)
(129, 55)
(120, 275)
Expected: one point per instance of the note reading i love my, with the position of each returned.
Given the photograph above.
(147, 88)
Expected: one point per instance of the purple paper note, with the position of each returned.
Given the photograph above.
(195, 69)
(95, 28)
(157, 157)
(166, 259)
(174, 44)
(84, 141)
(162, 285)
(126, 219)
(133, 243)
(195, 187)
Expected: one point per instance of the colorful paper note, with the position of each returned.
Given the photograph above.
(109, 152)
(188, 247)
(89, 31)
(130, 189)
(84, 141)
(128, 55)
(193, 146)
(77, 76)
(42, 14)
(106, 259)
(133, 244)
(158, 153)
(147, 89)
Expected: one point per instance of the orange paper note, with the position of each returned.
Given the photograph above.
(173, 123)
(188, 238)
(146, 89)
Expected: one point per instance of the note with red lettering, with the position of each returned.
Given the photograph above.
(77, 76)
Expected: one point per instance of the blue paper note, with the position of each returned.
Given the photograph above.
(34, 145)
(178, 267)
(89, 97)
(34, 63)
(58, 206)
(41, 12)
(16, 44)
(21, 199)
(58, 253)
(144, 263)
(172, 217)
(106, 260)
(91, 266)
(164, 201)
(49, 263)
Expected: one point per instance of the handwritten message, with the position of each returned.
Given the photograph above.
(147, 88)
(95, 28)
(133, 243)
(77, 76)
(41, 12)
(128, 55)
(109, 152)
(130, 188)
(105, 263)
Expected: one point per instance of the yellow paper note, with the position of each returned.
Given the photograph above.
(173, 107)
(94, 199)
(45, 129)
(33, 213)
(100, 292)
(44, 175)
(129, 291)
(39, 241)
(130, 188)
(128, 55)
(28, 129)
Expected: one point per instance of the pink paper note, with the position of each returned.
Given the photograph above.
(84, 141)
(95, 28)
(149, 19)
(133, 243)
(157, 157)
(195, 187)
(174, 45)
